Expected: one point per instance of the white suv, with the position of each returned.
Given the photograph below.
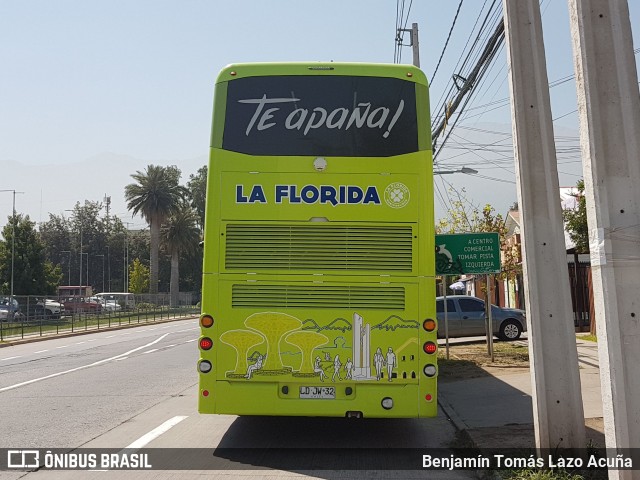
(52, 309)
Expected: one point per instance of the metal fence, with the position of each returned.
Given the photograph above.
(29, 316)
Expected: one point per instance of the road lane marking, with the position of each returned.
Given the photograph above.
(110, 336)
(169, 346)
(150, 351)
(80, 343)
(63, 346)
(10, 358)
(192, 340)
(41, 351)
(123, 358)
(92, 340)
(155, 433)
(82, 367)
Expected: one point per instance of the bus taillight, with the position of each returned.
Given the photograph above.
(206, 321)
(429, 325)
(206, 343)
(428, 397)
(430, 348)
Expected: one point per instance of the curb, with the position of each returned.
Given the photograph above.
(42, 338)
(451, 413)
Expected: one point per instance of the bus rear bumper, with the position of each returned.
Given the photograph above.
(351, 399)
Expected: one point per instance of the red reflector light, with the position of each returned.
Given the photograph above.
(206, 343)
(206, 321)
(429, 325)
(430, 347)
(428, 397)
(205, 393)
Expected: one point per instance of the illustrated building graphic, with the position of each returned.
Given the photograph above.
(361, 349)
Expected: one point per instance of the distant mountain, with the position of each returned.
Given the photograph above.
(394, 322)
(340, 324)
(57, 187)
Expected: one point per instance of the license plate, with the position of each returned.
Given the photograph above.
(318, 392)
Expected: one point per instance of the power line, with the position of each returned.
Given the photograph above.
(446, 43)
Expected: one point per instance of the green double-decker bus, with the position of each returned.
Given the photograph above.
(318, 293)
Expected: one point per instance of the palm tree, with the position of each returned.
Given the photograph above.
(155, 196)
(180, 235)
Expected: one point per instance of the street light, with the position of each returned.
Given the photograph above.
(466, 170)
(68, 264)
(13, 238)
(80, 268)
(87, 254)
(102, 270)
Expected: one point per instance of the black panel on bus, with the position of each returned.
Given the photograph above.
(321, 116)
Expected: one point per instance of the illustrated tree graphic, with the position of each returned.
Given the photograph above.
(306, 341)
(273, 326)
(241, 341)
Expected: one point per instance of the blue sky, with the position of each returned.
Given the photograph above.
(92, 91)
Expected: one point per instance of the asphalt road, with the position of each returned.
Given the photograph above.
(137, 388)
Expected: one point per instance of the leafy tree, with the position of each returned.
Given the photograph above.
(102, 240)
(32, 273)
(180, 234)
(197, 187)
(155, 195)
(138, 277)
(464, 217)
(575, 220)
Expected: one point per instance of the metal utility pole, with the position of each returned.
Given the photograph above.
(557, 397)
(609, 109)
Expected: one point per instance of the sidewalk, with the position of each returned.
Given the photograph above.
(496, 410)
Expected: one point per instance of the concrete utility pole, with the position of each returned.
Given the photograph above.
(557, 400)
(415, 45)
(609, 108)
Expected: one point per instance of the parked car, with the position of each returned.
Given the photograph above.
(9, 309)
(466, 318)
(107, 305)
(51, 308)
(81, 305)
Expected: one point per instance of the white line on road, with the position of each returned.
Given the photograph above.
(10, 358)
(110, 336)
(80, 343)
(155, 433)
(92, 340)
(99, 362)
(169, 346)
(192, 340)
(41, 351)
(123, 358)
(63, 346)
(150, 351)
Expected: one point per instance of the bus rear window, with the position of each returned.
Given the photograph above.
(321, 116)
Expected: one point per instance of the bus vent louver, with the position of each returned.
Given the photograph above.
(319, 247)
(257, 295)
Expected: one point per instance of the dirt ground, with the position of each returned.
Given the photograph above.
(473, 361)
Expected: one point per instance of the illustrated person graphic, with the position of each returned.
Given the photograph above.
(255, 366)
(391, 362)
(349, 369)
(336, 369)
(378, 361)
(317, 368)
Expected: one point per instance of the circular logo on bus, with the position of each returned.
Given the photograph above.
(396, 195)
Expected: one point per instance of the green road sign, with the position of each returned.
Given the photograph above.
(467, 253)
